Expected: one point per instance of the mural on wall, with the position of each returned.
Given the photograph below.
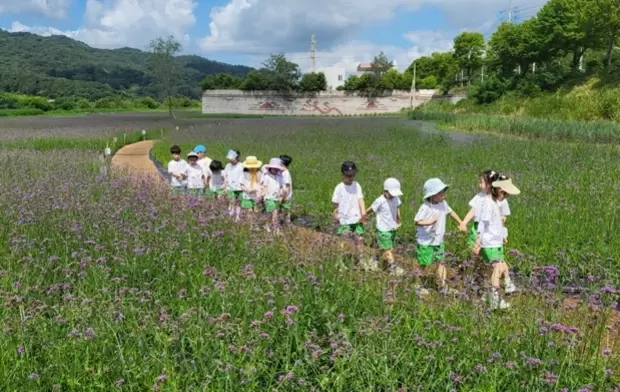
(315, 106)
(373, 105)
(266, 105)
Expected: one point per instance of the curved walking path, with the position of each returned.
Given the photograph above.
(135, 159)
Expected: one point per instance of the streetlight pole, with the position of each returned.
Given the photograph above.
(413, 85)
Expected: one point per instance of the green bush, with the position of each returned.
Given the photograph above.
(35, 102)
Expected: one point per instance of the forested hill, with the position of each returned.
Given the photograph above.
(59, 66)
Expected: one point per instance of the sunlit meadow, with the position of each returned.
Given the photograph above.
(110, 283)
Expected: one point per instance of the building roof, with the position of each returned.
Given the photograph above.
(367, 66)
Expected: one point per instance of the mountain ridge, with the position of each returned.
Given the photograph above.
(59, 66)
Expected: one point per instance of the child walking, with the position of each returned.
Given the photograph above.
(215, 181)
(272, 191)
(349, 211)
(431, 228)
(287, 182)
(250, 184)
(195, 176)
(387, 209)
(233, 174)
(485, 179)
(176, 169)
(490, 240)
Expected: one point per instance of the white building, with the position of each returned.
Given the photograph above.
(335, 76)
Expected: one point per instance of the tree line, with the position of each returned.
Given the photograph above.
(566, 39)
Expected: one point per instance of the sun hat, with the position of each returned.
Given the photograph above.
(433, 187)
(392, 185)
(348, 168)
(507, 186)
(251, 162)
(232, 154)
(274, 163)
(200, 148)
(192, 154)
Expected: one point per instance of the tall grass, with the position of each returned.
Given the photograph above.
(556, 220)
(530, 127)
(113, 284)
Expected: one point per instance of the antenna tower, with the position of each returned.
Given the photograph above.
(313, 53)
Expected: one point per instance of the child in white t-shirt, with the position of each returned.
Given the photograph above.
(431, 228)
(176, 169)
(287, 182)
(250, 184)
(485, 179)
(387, 209)
(195, 175)
(491, 236)
(233, 174)
(215, 181)
(349, 211)
(272, 191)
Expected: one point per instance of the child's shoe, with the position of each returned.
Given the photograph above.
(494, 302)
(395, 270)
(367, 264)
(509, 287)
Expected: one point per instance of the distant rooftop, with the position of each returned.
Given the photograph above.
(367, 66)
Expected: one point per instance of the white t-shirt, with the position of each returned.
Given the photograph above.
(273, 184)
(251, 189)
(348, 199)
(204, 163)
(177, 167)
(490, 228)
(432, 234)
(216, 181)
(195, 177)
(475, 203)
(287, 179)
(387, 213)
(233, 175)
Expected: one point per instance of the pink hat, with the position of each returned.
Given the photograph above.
(275, 163)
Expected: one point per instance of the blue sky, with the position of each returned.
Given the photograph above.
(246, 31)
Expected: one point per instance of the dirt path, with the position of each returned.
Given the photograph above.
(135, 158)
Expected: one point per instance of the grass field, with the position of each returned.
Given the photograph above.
(112, 284)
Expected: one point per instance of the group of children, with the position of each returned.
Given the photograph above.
(249, 184)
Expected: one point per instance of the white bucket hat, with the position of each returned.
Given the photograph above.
(392, 185)
(433, 187)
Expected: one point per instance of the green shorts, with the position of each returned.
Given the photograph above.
(235, 195)
(248, 203)
(272, 205)
(386, 239)
(356, 228)
(178, 190)
(427, 254)
(287, 205)
(473, 234)
(211, 194)
(490, 255)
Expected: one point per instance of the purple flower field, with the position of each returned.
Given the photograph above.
(111, 283)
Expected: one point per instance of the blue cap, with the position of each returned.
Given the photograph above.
(200, 148)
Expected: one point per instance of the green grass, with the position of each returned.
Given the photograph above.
(113, 284)
(529, 127)
(564, 216)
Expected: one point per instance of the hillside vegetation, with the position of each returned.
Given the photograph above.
(59, 66)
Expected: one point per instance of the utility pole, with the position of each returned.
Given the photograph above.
(313, 53)
(482, 74)
(462, 75)
(510, 11)
(413, 85)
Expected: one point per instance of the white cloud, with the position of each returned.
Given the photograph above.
(263, 26)
(48, 8)
(349, 55)
(118, 23)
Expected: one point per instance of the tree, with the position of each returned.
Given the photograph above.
(606, 16)
(514, 45)
(255, 81)
(393, 80)
(567, 27)
(352, 83)
(282, 75)
(165, 50)
(446, 69)
(221, 81)
(313, 82)
(380, 64)
(468, 51)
